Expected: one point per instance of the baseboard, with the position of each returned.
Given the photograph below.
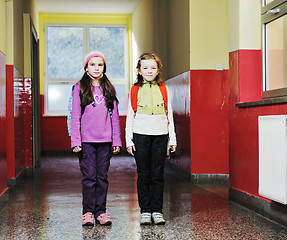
(210, 178)
(12, 182)
(271, 210)
(4, 198)
(198, 178)
(179, 172)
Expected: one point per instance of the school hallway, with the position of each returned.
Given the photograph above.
(48, 206)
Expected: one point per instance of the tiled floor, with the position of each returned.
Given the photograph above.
(48, 206)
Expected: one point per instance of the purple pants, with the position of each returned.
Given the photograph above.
(94, 164)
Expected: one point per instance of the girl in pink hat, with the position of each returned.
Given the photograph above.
(95, 135)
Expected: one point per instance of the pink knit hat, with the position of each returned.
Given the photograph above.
(93, 54)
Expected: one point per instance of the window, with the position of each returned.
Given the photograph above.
(65, 48)
(274, 48)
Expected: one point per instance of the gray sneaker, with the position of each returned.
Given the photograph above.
(145, 219)
(157, 218)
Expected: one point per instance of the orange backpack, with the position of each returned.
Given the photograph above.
(134, 96)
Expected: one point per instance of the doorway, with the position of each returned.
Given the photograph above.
(35, 98)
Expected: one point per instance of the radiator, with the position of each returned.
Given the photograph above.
(273, 157)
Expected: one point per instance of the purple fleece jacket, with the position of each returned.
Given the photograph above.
(95, 125)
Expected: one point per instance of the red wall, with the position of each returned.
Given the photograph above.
(209, 129)
(54, 134)
(26, 104)
(202, 130)
(3, 157)
(179, 90)
(19, 122)
(10, 121)
(245, 85)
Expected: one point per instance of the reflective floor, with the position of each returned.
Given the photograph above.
(48, 206)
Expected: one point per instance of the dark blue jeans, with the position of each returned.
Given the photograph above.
(150, 159)
(94, 164)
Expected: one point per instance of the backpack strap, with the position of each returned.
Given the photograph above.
(163, 91)
(134, 98)
(69, 115)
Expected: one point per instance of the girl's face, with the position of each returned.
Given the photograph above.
(148, 69)
(95, 67)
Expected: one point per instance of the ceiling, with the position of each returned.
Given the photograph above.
(88, 6)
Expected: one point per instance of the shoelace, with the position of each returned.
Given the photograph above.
(157, 215)
(146, 215)
(87, 215)
(105, 215)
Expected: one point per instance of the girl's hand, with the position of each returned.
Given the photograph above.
(77, 149)
(116, 149)
(131, 149)
(172, 148)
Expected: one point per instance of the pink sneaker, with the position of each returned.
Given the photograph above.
(88, 219)
(104, 219)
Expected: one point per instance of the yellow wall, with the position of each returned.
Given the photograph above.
(233, 25)
(178, 37)
(162, 26)
(2, 27)
(250, 25)
(163, 29)
(30, 17)
(15, 32)
(31, 8)
(27, 45)
(245, 25)
(76, 18)
(144, 20)
(9, 33)
(144, 31)
(18, 36)
(209, 39)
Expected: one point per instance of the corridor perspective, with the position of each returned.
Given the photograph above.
(48, 206)
(224, 65)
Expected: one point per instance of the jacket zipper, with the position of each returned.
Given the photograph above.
(151, 98)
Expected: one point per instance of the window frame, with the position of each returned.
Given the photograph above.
(265, 19)
(124, 81)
